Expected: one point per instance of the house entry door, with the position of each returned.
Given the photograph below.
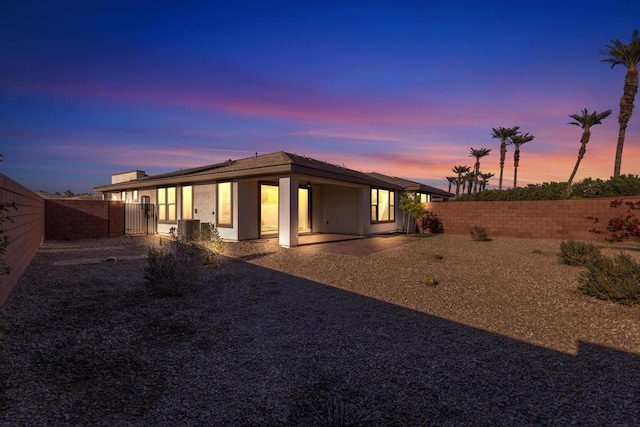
(304, 210)
(269, 210)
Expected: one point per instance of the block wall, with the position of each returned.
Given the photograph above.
(555, 219)
(83, 219)
(25, 230)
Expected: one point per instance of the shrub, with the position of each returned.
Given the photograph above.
(172, 268)
(334, 412)
(431, 221)
(437, 256)
(624, 226)
(615, 279)
(429, 281)
(4, 240)
(573, 252)
(479, 234)
(208, 242)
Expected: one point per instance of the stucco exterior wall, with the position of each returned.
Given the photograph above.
(556, 219)
(25, 231)
(340, 210)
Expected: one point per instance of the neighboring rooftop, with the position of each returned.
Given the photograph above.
(409, 185)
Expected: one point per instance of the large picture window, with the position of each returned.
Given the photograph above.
(225, 207)
(383, 206)
(187, 202)
(167, 204)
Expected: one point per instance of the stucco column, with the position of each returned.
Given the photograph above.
(288, 211)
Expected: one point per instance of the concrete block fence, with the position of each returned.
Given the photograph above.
(83, 219)
(25, 229)
(553, 219)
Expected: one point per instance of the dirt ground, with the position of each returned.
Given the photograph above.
(272, 336)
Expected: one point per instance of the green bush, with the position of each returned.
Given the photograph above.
(573, 252)
(615, 279)
(588, 188)
(479, 234)
(173, 268)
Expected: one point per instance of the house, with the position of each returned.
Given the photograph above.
(279, 195)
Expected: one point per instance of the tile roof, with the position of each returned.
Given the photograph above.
(242, 167)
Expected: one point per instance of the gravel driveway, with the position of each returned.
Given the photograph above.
(271, 336)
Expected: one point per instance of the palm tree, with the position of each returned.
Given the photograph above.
(503, 134)
(585, 120)
(470, 178)
(517, 141)
(629, 56)
(459, 171)
(484, 180)
(452, 180)
(478, 154)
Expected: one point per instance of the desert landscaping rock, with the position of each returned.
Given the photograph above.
(273, 336)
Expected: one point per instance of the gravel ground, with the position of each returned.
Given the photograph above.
(270, 336)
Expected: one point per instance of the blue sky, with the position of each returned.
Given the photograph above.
(88, 89)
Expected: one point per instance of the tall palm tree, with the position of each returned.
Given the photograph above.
(517, 141)
(478, 154)
(585, 120)
(629, 56)
(503, 134)
(459, 171)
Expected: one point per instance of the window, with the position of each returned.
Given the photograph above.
(167, 204)
(187, 202)
(224, 205)
(135, 196)
(383, 206)
(424, 197)
(123, 196)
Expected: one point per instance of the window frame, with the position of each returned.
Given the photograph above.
(219, 202)
(375, 207)
(166, 218)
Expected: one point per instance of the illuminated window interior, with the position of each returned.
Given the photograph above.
(382, 205)
(187, 202)
(224, 204)
(167, 204)
(269, 209)
(304, 217)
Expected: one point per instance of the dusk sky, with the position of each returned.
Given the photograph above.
(92, 88)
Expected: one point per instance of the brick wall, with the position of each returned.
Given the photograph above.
(25, 231)
(557, 219)
(83, 219)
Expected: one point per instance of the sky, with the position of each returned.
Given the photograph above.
(92, 88)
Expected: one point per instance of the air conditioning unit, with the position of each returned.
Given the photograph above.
(188, 228)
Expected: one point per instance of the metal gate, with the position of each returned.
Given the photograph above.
(140, 218)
